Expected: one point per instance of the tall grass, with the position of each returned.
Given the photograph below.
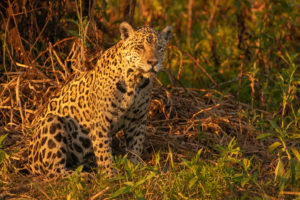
(246, 51)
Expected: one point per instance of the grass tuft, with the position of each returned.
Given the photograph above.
(224, 117)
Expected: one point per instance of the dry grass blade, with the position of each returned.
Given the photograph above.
(99, 194)
(202, 69)
(19, 104)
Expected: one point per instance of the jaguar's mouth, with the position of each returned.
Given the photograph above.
(150, 71)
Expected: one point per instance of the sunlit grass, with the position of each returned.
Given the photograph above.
(245, 49)
(189, 179)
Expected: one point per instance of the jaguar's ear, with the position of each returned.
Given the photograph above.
(126, 30)
(166, 33)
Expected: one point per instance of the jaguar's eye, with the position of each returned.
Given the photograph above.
(140, 47)
(149, 39)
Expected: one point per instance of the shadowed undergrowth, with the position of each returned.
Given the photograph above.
(224, 117)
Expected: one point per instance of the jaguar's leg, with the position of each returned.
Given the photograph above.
(79, 143)
(102, 146)
(135, 137)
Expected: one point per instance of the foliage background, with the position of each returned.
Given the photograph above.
(247, 50)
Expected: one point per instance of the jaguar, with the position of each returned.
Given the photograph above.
(83, 117)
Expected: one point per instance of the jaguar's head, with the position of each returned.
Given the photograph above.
(144, 49)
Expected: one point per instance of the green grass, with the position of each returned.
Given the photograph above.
(188, 179)
(246, 49)
(230, 175)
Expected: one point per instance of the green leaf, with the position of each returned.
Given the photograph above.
(171, 158)
(279, 170)
(3, 156)
(145, 179)
(244, 181)
(140, 182)
(293, 171)
(238, 175)
(129, 166)
(129, 183)
(246, 164)
(273, 146)
(85, 21)
(69, 197)
(275, 126)
(157, 158)
(193, 181)
(72, 21)
(198, 154)
(295, 136)
(2, 137)
(263, 136)
(121, 191)
(79, 169)
(296, 153)
(74, 33)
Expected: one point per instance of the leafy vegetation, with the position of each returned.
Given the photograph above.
(225, 124)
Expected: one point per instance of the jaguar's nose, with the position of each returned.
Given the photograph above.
(153, 63)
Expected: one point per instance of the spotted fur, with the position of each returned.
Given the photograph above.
(88, 111)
